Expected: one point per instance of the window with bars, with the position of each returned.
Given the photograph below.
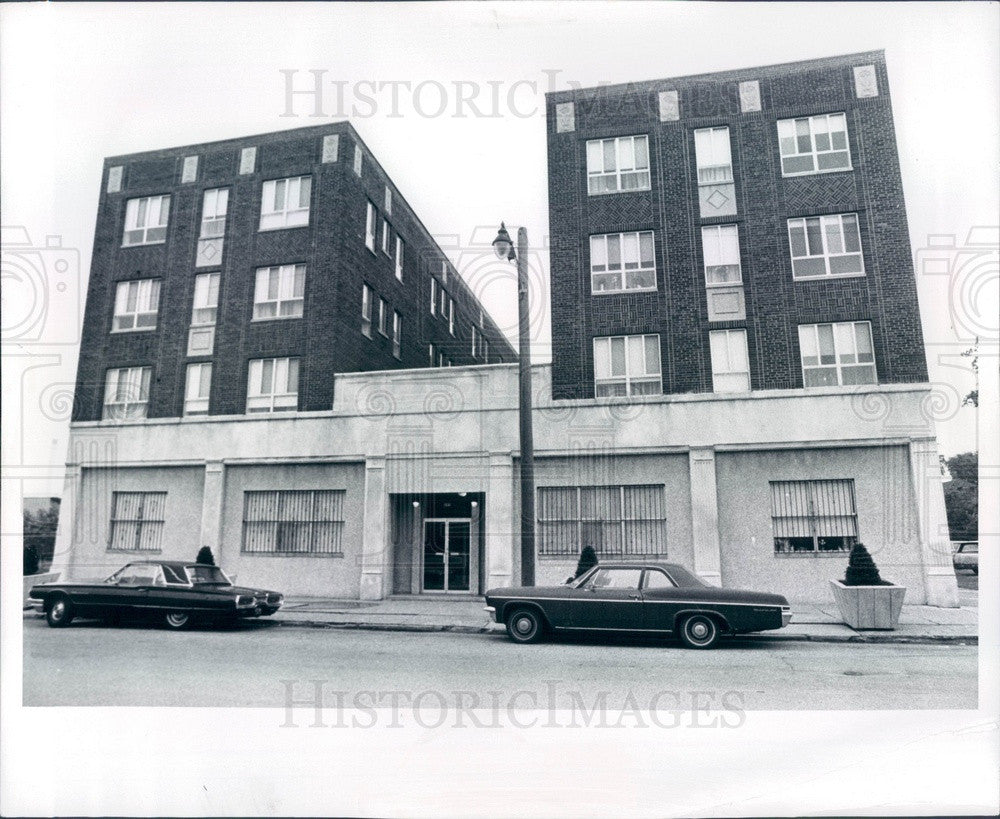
(825, 246)
(285, 203)
(126, 393)
(837, 354)
(813, 517)
(206, 299)
(137, 520)
(627, 365)
(136, 305)
(293, 522)
(146, 220)
(615, 520)
(622, 261)
(618, 164)
(721, 247)
(279, 292)
(273, 384)
(811, 145)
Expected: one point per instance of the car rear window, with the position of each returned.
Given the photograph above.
(174, 575)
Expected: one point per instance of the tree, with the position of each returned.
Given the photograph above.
(205, 556)
(861, 569)
(973, 396)
(30, 560)
(40, 530)
(961, 496)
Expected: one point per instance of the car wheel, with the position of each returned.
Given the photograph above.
(525, 626)
(699, 631)
(177, 620)
(59, 612)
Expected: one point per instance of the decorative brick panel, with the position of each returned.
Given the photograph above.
(670, 110)
(865, 81)
(749, 96)
(565, 117)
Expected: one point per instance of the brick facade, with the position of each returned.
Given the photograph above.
(775, 304)
(328, 337)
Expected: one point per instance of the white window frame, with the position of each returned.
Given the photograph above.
(788, 130)
(370, 228)
(451, 315)
(197, 386)
(434, 296)
(844, 335)
(146, 220)
(385, 236)
(730, 360)
(129, 387)
(288, 302)
(628, 379)
(366, 310)
(432, 352)
(262, 376)
(826, 222)
(474, 339)
(630, 264)
(716, 240)
(276, 210)
(397, 334)
(399, 257)
(486, 350)
(141, 315)
(205, 302)
(214, 206)
(383, 317)
(624, 148)
(714, 155)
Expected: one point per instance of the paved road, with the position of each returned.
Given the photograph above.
(92, 664)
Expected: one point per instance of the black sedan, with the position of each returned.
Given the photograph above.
(654, 598)
(173, 591)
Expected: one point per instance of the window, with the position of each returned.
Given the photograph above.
(443, 302)
(198, 382)
(618, 164)
(475, 349)
(382, 317)
(136, 305)
(206, 299)
(273, 384)
(615, 520)
(730, 363)
(825, 246)
(835, 354)
(399, 258)
(397, 333)
(297, 522)
(279, 292)
(627, 365)
(451, 316)
(813, 144)
(370, 228)
(385, 237)
(137, 521)
(714, 159)
(434, 296)
(655, 579)
(146, 220)
(615, 579)
(213, 227)
(366, 310)
(285, 203)
(432, 353)
(721, 245)
(486, 350)
(126, 393)
(812, 517)
(622, 261)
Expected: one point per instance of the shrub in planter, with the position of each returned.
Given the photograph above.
(865, 600)
(588, 559)
(205, 556)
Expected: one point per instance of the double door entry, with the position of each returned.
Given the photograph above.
(447, 555)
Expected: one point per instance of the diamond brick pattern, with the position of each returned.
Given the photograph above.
(822, 192)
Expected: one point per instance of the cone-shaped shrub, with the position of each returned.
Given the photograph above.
(861, 569)
(30, 560)
(205, 556)
(588, 559)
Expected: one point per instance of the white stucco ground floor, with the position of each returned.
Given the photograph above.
(409, 485)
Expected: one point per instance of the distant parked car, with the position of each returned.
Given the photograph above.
(653, 598)
(173, 591)
(966, 556)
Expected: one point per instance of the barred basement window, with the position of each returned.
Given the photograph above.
(137, 521)
(615, 520)
(296, 522)
(812, 517)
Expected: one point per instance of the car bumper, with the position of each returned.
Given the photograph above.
(786, 616)
(492, 612)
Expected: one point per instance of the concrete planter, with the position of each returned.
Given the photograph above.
(869, 607)
(34, 580)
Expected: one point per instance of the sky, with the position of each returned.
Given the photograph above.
(450, 98)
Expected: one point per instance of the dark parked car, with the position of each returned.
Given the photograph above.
(966, 556)
(655, 598)
(174, 591)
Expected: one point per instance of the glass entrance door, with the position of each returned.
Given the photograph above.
(447, 544)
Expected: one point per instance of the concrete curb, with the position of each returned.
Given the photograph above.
(916, 639)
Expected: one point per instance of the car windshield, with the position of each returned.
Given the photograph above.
(207, 574)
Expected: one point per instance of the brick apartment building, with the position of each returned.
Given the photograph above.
(738, 379)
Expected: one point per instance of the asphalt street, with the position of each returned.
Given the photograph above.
(261, 664)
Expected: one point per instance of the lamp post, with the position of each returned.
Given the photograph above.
(504, 249)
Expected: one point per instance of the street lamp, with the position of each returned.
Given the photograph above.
(504, 249)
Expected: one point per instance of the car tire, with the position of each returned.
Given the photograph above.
(525, 625)
(59, 612)
(699, 631)
(176, 620)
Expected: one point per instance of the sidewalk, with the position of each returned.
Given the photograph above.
(816, 623)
